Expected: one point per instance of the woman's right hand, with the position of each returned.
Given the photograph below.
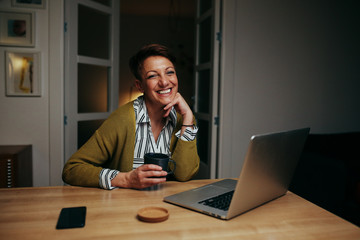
(140, 178)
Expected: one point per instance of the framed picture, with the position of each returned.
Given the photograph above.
(23, 73)
(17, 29)
(29, 3)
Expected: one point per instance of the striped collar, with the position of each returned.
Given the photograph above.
(141, 114)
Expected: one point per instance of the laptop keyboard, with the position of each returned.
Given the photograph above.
(221, 201)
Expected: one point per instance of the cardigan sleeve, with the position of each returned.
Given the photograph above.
(84, 166)
(109, 147)
(185, 154)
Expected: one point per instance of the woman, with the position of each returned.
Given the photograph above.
(158, 121)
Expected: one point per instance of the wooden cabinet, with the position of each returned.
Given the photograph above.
(16, 166)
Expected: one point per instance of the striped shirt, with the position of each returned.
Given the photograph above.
(145, 141)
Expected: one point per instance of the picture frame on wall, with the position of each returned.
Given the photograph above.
(23, 76)
(17, 29)
(29, 3)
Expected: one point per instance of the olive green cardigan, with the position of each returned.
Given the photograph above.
(112, 146)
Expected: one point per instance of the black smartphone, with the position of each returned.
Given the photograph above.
(73, 217)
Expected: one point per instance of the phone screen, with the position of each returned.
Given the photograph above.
(73, 217)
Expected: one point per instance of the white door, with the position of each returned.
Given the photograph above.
(208, 43)
(91, 68)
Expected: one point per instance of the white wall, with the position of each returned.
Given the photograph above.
(38, 120)
(287, 64)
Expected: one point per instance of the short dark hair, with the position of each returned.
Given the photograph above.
(136, 61)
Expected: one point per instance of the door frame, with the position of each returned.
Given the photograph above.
(56, 91)
(210, 170)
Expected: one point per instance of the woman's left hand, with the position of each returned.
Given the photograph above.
(181, 107)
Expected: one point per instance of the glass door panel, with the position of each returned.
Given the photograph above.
(204, 5)
(202, 139)
(93, 33)
(205, 40)
(203, 92)
(92, 88)
(86, 129)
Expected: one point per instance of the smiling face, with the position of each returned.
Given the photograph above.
(159, 82)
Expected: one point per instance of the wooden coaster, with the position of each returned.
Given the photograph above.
(153, 214)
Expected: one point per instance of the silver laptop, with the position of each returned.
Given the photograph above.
(266, 174)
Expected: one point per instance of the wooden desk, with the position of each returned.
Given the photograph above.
(32, 213)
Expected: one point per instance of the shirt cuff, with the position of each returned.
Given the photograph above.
(189, 134)
(106, 175)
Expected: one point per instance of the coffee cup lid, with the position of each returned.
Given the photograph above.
(153, 214)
